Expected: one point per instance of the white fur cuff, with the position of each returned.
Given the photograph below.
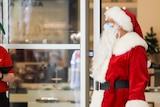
(96, 99)
(137, 103)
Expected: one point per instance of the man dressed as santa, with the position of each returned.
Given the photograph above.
(120, 62)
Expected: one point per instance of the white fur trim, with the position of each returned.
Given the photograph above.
(96, 99)
(136, 103)
(128, 41)
(119, 16)
(100, 76)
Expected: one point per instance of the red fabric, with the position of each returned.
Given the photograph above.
(129, 66)
(5, 61)
(136, 26)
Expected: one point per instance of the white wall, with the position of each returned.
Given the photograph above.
(148, 15)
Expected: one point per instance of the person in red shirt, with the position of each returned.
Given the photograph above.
(120, 62)
(6, 75)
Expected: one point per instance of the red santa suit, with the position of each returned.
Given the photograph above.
(128, 62)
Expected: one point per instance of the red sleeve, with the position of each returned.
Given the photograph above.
(5, 59)
(138, 73)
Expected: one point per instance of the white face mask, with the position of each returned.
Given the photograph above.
(108, 26)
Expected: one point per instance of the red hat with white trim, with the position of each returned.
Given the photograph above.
(124, 18)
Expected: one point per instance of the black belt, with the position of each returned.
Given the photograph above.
(2, 93)
(117, 84)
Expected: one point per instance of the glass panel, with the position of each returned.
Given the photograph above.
(1, 21)
(43, 77)
(42, 21)
(47, 77)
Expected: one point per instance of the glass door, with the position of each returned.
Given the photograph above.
(39, 42)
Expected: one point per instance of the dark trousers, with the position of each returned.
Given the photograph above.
(4, 101)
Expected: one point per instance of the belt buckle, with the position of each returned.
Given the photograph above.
(97, 85)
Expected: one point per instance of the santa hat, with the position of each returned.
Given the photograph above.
(125, 19)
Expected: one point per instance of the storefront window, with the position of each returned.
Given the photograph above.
(41, 21)
(46, 76)
(42, 71)
(40, 66)
(1, 33)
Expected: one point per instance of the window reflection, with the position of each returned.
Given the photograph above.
(40, 66)
(1, 21)
(46, 72)
(40, 21)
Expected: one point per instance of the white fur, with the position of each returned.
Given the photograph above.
(96, 99)
(137, 103)
(119, 16)
(128, 41)
(103, 53)
(101, 76)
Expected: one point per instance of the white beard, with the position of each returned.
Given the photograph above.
(103, 53)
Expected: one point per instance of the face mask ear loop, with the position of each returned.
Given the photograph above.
(116, 25)
(118, 35)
